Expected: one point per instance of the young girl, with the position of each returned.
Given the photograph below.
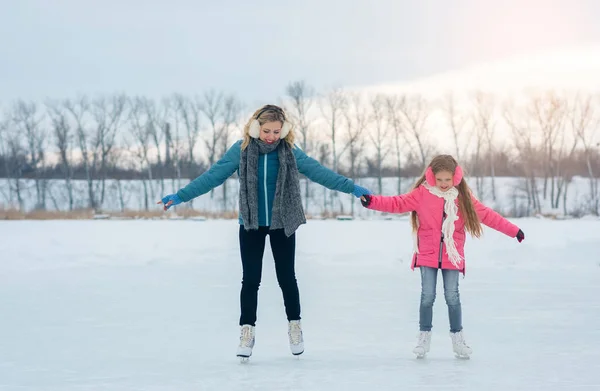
(442, 208)
(269, 165)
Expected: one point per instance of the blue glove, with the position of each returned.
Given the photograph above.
(360, 191)
(169, 201)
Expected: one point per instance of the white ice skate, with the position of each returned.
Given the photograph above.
(244, 350)
(460, 347)
(423, 344)
(296, 338)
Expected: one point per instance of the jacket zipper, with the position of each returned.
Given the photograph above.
(442, 236)
(266, 194)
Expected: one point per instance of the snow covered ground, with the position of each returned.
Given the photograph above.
(153, 305)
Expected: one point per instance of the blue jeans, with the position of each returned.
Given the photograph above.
(428, 284)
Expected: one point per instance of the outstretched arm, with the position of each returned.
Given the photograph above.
(322, 175)
(494, 220)
(402, 203)
(215, 176)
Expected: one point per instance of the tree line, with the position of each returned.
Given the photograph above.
(545, 138)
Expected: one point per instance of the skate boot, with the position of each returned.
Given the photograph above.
(423, 344)
(296, 339)
(244, 350)
(459, 346)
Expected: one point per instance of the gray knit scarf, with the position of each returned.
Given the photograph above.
(287, 210)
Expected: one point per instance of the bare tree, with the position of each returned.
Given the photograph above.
(485, 125)
(393, 104)
(524, 142)
(584, 121)
(324, 156)
(16, 161)
(14, 157)
(333, 105)
(141, 130)
(232, 109)
(28, 120)
(551, 115)
(477, 161)
(63, 138)
(300, 96)
(547, 112)
(108, 113)
(562, 174)
(124, 157)
(212, 107)
(188, 111)
(176, 147)
(414, 112)
(379, 134)
(158, 117)
(357, 118)
(4, 153)
(87, 143)
(457, 122)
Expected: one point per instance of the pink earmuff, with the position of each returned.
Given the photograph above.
(456, 179)
(458, 175)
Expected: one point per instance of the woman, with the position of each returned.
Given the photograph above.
(269, 165)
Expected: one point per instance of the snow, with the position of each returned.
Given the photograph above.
(153, 305)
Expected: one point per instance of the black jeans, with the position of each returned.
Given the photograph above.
(252, 247)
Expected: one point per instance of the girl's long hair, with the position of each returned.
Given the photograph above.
(465, 203)
(270, 113)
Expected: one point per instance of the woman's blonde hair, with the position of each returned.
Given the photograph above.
(465, 203)
(268, 113)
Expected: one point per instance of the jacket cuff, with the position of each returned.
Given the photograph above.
(182, 196)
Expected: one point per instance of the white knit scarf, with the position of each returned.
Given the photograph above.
(451, 210)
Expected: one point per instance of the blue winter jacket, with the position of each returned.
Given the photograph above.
(268, 168)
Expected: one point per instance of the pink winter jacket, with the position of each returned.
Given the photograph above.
(430, 210)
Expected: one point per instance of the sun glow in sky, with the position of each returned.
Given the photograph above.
(572, 69)
(486, 30)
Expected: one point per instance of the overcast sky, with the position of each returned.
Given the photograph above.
(58, 48)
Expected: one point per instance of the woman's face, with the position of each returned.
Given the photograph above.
(270, 132)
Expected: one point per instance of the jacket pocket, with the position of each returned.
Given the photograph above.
(427, 241)
(459, 241)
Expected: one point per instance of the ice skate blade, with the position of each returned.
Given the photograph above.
(462, 357)
(420, 353)
(244, 359)
(298, 349)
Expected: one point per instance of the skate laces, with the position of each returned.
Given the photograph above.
(460, 340)
(246, 336)
(295, 333)
(422, 339)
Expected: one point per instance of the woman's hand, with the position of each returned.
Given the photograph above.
(169, 201)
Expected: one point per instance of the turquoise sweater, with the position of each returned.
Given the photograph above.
(268, 168)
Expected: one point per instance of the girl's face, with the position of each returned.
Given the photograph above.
(444, 180)
(270, 132)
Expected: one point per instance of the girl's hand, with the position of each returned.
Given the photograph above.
(520, 236)
(365, 200)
